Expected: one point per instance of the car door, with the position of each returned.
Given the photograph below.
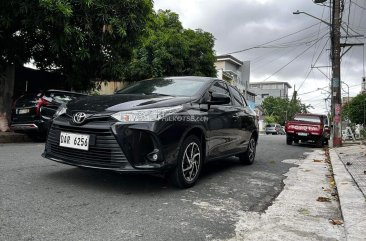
(221, 124)
(242, 120)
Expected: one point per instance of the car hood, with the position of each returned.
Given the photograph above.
(121, 102)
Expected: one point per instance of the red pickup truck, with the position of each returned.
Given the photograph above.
(308, 127)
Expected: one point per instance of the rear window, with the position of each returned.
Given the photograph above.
(62, 97)
(31, 98)
(308, 118)
(270, 125)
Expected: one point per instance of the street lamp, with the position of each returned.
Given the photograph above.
(321, 20)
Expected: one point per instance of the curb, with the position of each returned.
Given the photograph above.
(11, 137)
(352, 201)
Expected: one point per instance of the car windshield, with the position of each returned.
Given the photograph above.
(173, 87)
(307, 118)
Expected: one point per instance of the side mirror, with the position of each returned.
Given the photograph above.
(218, 99)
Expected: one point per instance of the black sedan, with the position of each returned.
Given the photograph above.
(167, 125)
(32, 112)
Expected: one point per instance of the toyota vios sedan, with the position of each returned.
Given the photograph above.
(167, 125)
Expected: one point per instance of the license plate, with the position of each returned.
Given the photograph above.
(302, 134)
(22, 111)
(74, 140)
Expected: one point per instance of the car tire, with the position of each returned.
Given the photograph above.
(289, 140)
(189, 163)
(248, 156)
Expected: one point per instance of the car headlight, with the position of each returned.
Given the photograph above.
(146, 115)
(60, 111)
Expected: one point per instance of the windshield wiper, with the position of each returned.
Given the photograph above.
(156, 94)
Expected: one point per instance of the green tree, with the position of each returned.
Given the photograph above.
(84, 40)
(282, 109)
(170, 50)
(355, 110)
(271, 119)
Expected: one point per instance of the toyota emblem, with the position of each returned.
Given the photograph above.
(79, 117)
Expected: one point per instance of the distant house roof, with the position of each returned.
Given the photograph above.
(272, 82)
(229, 58)
(251, 93)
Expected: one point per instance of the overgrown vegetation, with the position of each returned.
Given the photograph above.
(355, 110)
(278, 110)
(170, 50)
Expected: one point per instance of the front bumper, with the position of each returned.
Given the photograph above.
(118, 147)
(24, 127)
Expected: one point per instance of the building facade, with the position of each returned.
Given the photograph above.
(234, 71)
(237, 73)
(266, 89)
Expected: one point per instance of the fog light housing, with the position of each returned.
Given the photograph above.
(153, 156)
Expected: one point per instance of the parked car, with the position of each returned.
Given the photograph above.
(282, 130)
(308, 127)
(167, 125)
(273, 128)
(32, 112)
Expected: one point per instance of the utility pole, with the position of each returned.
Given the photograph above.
(336, 74)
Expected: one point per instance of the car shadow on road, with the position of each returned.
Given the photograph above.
(220, 166)
(107, 180)
(130, 183)
(308, 145)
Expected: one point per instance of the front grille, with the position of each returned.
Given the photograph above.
(104, 151)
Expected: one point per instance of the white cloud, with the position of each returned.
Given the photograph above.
(240, 24)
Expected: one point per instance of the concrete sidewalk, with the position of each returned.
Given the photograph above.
(12, 137)
(349, 168)
(306, 209)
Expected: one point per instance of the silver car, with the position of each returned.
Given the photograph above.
(274, 129)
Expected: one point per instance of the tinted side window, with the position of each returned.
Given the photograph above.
(219, 87)
(243, 100)
(236, 97)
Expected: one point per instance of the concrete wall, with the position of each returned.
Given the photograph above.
(242, 72)
(109, 87)
(264, 90)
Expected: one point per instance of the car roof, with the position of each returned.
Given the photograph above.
(196, 78)
(309, 114)
(64, 91)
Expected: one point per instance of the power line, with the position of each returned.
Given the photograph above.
(314, 63)
(317, 46)
(348, 17)
(270, 54)
(288, 35)
(318, 89)
(296, 57)
(355, 3)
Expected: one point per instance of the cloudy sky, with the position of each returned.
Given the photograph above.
(242, 24)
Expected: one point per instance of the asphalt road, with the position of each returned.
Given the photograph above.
(44, 200)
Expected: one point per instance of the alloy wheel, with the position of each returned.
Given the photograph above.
(251, 150)
(191, 162)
